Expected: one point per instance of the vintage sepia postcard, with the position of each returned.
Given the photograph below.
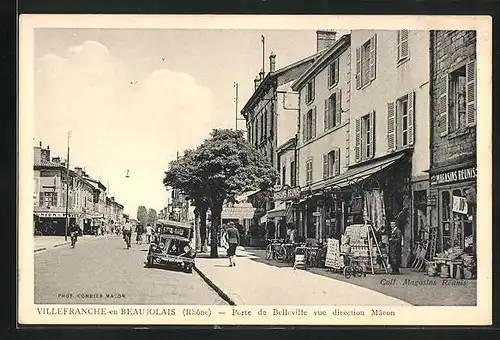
(254, 170)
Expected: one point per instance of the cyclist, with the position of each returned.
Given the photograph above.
(127, 233)
(74, 231)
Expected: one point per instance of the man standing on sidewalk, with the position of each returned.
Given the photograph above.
(233, 238)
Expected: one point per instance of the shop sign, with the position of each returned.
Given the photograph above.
(287, 193)
(454, 176)
(238, 212)
(54, 214)
(459, 205)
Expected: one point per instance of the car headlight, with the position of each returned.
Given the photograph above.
(162, 245)
(187, 249)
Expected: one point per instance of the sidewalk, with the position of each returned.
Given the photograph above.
(254, 283)
(48, 242)
(415, 288)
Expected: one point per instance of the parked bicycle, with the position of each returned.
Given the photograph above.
(286, 252)
(272, 248)
(352, 267)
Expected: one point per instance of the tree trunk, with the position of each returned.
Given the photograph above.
(214, 231)
(203, 228)
(197, 229)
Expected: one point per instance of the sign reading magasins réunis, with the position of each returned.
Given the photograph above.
(454, 176)
(287, 193)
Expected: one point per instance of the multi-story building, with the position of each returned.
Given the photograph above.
(453, 139)
(86, 197)
(322, 142)
(272, 99)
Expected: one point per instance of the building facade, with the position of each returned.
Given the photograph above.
(389, 123)
(86, 197)
(270, 112)
(322, 142)
(453, 183)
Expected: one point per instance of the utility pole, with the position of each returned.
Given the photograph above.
(236, 109)
(67, 191)
(263, 54)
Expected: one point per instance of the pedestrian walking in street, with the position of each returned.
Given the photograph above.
(224, 243)
(139, 230)
(149, 233)
(233, 239)
(127, 233)
(395, 248)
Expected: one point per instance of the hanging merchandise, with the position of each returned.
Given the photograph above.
(374, 208)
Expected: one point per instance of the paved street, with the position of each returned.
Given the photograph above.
(104, 267)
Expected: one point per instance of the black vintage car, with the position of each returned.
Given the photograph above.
(172, 246)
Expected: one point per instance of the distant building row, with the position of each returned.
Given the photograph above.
(377, 126)
(88, 201)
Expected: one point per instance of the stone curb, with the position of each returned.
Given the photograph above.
(217, 289)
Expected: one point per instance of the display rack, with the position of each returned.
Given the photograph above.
(362, 238)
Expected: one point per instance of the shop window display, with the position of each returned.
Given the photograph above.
(456, 220)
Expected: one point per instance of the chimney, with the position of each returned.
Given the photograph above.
(272, 62)
(79, 170)
(325, 38)
(261, 75)
(56, 160)
(40, 143)
(256, 82)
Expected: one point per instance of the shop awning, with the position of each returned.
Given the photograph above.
(245, 195)
(278, 211)
(355, 175)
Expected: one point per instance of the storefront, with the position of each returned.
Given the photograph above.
(283, 212)
(52, 223)
(374, 193)
(453, 193)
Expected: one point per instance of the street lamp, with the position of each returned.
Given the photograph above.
(67, 191)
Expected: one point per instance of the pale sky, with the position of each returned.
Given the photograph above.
(83, 84)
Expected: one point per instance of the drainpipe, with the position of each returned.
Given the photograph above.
(432, 117)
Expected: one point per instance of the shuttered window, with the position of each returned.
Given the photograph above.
(365, 138)
(403, 45)
(471, 93)
(309, 91)
(331, 163)
(309, 171)
(333, 73)
(309, 119)
(400, 122)
(333, 110)
(366, 62)
(443, 105)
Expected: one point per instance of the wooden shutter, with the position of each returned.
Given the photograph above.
(306, 93)
(329, 79)
(357, 148)
(470, 93)
(411, 118)
(325, 166)
(304, 133)
(404, 44)
(337, 161)
(443, 105)
(336, 80)
(391, 126)
(338, 107)
(358, 67)
(347, 144)
(313, 133)
(372, 137)
(327, 118)
(373, 57)
(313, 89)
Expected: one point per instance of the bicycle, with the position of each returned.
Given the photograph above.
(286, 252)
(271, 248)
(352, 267)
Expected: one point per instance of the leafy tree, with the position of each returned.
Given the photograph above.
(152, 216)
(142, 214)
(222, 167)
